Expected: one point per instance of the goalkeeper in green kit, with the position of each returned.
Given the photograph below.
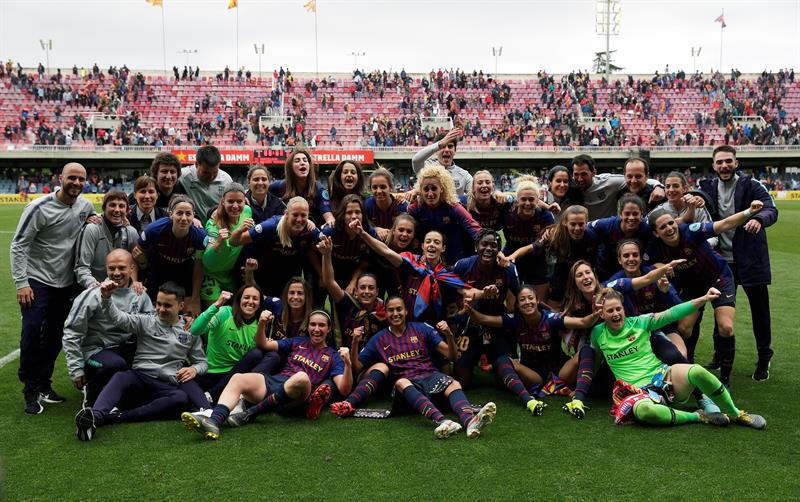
(647, 390)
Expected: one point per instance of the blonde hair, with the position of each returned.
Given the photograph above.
(283, 225)
(527, 182)
(440, 174)
(471, 204)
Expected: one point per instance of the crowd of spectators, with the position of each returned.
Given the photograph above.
(557, 117)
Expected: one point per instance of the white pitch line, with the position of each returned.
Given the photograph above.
(9, 357)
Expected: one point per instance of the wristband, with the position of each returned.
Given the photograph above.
(747, 213)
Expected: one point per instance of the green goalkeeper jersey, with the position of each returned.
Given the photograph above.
(227, 343)
(628, 351)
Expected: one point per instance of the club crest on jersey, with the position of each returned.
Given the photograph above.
(631, 338)
(414, 339)
(687, 251)
(325, 358)
(446, 220)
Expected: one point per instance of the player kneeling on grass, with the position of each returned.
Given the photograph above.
(404, 351)
(646, 389)
(159, 383)
(309, 364)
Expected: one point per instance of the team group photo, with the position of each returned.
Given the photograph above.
(415, 280)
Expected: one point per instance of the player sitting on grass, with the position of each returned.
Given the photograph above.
(536, 330)
(646, 390)
(404, 350)
(159, 383)
(309, 364)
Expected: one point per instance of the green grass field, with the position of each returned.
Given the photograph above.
(519, 457)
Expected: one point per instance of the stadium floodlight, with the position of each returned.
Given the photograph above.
(47, 46)
(260, 52)
(695, 53)
(607, 20)
(496, 52)
(187, 52)
(356, 55)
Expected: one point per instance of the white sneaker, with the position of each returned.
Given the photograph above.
(483, 418)
(205, 412)
(446, 429)
(239, 406)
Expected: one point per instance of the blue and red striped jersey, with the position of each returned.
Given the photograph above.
(408, 355)
(454, 222)
(494, 217)
(317, 205)
(351, 315)
(521, 232)
(504, 278)
(703, 266)
(301, 355)
(647, 300)
(607, 233)
(384, 219)
(539, 344)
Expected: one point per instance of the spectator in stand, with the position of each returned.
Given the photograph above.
(600, 190)
(205, 182)
(42, 265)
(444, 146)
(745, 249)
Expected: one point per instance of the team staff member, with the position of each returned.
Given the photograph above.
(745, 248)
(205, 182)
(165, 170)
(444, 146)
(600, 191)
(636, 171)
(42, 265)
(96, 241)
(94, 347)
(159, 382)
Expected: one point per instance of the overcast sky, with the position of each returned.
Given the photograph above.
(556, 35)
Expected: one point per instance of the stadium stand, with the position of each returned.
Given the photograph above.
(386, 110)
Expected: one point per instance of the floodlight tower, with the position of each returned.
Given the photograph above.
(496, 52)
(695, 53)
(260, 52)
(607, 21)
(47, 46)
(356, 55)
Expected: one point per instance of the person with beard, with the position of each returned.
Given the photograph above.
(159, 383)
(42, 266)
(745, 249)
(444, 146)
(205, 182)
(599, 191)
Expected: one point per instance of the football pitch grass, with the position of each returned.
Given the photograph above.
(519, 457)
